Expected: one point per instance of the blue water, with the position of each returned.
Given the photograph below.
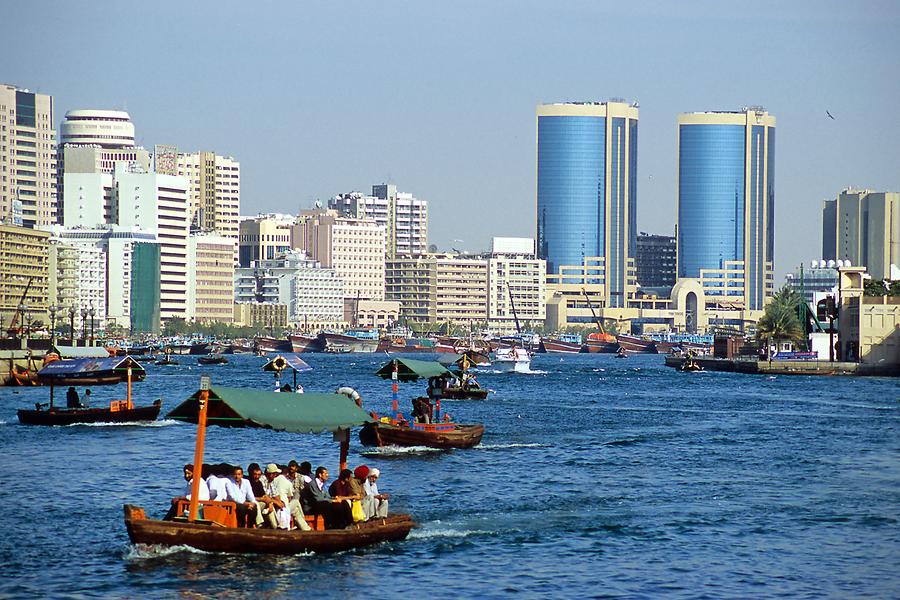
(596, 477)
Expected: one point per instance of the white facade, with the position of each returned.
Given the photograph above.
(512, 245)
(28, 178)
(88, 199)
(524, 279)
(403, 216)
(314, 295)
(105, 128)
(105, 276)
(159, 204)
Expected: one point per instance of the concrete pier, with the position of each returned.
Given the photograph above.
(788, 367)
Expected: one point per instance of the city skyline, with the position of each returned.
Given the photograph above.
(343, 98)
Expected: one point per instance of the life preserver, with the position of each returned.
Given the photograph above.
(50, 357)
(350, 393)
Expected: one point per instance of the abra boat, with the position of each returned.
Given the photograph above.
(212, 359)
(118, 411)
(217, 531)
(398, 431)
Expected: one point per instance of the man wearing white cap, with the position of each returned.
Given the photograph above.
(279, 490)
(376, 504)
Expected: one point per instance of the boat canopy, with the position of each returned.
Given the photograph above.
(409, 369)
(70, 370)
(447, 359)
(80, 351)
(283, 361)
(282, 411)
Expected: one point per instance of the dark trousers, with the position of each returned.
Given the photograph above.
(246, 517)
(337, 514)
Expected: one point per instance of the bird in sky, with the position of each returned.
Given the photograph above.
(830, 115)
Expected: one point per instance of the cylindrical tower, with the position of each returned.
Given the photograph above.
(104, 128)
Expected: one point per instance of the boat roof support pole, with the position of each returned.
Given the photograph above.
(345, 447)
(203, 401)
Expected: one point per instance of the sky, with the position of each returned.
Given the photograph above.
(319, 98)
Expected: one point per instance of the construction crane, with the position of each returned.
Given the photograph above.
(14, 329)
(513, 305)
(594, 314)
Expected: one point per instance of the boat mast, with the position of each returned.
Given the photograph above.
(202, 401)
(513, 305)
(591, 306)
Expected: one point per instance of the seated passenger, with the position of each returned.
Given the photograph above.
(317, 501)
(189, 478)
(238, 490)
(357, 486)
(218, 477)
(278, 491)
(378, 505)
(292, 474)
(72, 400)
(263, 504)
(341, 487)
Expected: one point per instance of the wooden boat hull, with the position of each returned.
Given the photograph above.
(212, 361)
(384, 434)
(560, 347)
(600, 347)
(69, 416)
(637, 345)
(214, 538)
(336, 342)
(462, 394)
(303, 343)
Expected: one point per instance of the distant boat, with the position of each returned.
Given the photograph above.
(212, 359)
(513, 360)
(637, 345)
(307, 343)
(352, 340)
(564, 343)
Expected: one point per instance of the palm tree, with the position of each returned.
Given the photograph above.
(780, 320)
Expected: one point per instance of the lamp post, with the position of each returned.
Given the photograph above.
(72, 325)
(92, 312)
(84, 313)
(53, 310)
(21, 308)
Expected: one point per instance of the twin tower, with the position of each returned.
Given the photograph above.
(587, 188)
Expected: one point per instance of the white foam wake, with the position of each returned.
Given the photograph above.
(432, 530)
(505, 446)
(399, 450)
(163, 423)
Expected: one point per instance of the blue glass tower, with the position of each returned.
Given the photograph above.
(726, 204)
(587, 191)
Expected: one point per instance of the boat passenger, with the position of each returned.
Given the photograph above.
(379, 502)
(87, 396)
(279, 491)
(317, 501)
(259, 492)
(341, 488)
(218, 477)
(72, 399)
(299, 389)
(189, 478)
(357, 485)
(305, 471)
(238, 490)
(291, 473)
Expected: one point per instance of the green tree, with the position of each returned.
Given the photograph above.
(780, 320)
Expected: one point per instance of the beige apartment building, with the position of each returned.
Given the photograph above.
(460, 289)
(412, 281)
(24, 273)
(28, 194)
(354, 248)
(210, 278)
(214, 194)
(863, 227)
(869, 325)
(263, 238)
(260, 314)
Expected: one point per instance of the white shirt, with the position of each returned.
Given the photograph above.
(204, 491)
(370, 488)
(216, 487)
(239, 493)
(279, 488)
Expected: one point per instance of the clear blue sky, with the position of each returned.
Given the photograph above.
(316, 98)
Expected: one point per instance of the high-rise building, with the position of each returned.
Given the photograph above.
(24, 273)
(354, 248)
(215, 192)
(587, 191)
(210, 287)
(263, 237)
(817, 277)
(314, 295)
(28, 194)
(516, 285)
(726, 204)
(656, 260)
(460, 290)
(159, 203)
(403, 216)
(863, 227)
(412, 281)
(104, 128)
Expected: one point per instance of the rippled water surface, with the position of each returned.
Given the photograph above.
(595, 477)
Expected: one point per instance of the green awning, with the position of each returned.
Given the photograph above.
(409, 369)
(283, 411)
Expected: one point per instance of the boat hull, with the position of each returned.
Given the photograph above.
(637, 345)
(384, 434)
(559, 347)
(70, 416)
(336, 342)
(213, 538)
(462, 394)
(267, 344)
(304, 343)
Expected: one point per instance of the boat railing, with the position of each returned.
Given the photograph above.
(223, 513)
(433, 426)
(120, 405)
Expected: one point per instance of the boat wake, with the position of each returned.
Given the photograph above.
(507, 446)
(162, 423)
(146, 551)
(437, 529)
(399, 451)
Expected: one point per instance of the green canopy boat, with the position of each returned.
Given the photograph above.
(217, 531)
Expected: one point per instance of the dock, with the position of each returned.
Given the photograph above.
(788, 367)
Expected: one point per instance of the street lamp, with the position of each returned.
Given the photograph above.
(84, 313)
(72, 325)
(53, 310)
(21, 308)
(92, 312)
